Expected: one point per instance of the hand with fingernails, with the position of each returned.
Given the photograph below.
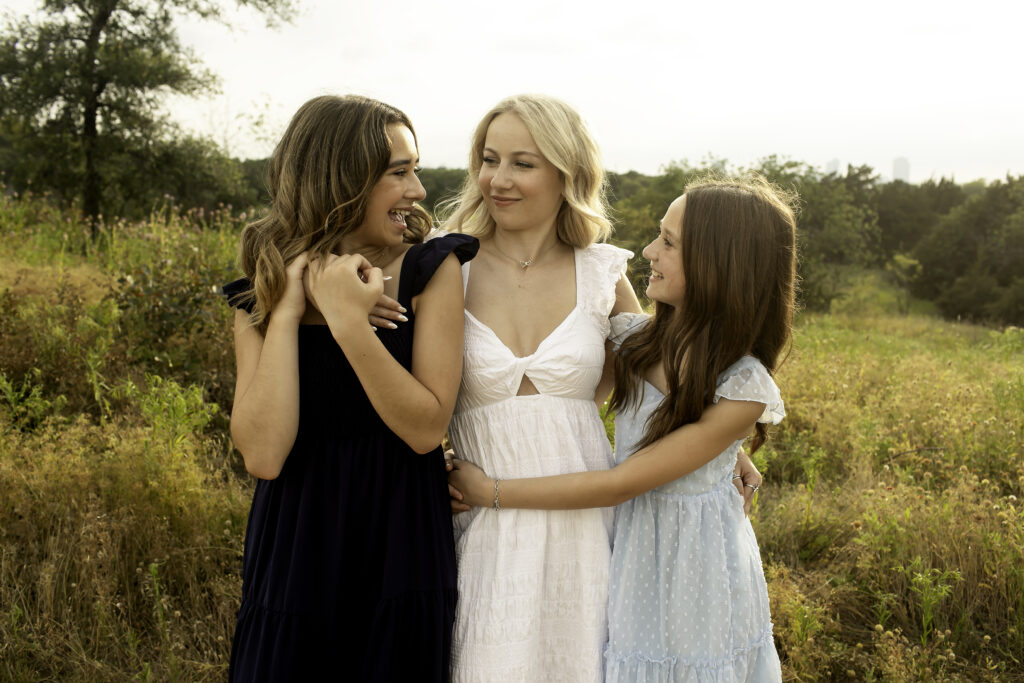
(746, 479)
(345, 289)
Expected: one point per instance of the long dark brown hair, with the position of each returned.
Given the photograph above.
(738, 245)
(320, 178)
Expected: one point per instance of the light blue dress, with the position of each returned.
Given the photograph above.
(688, 599)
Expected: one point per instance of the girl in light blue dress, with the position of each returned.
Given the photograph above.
(688, 599)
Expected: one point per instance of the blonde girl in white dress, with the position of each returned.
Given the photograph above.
(688, 600)
(533, 584)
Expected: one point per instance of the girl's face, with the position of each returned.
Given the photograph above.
(394, 193)
(664, 253)
(522, 189)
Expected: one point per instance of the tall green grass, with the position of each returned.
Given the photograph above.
(891, 523)
(890, 520)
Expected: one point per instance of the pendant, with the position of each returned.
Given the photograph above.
(525, 264)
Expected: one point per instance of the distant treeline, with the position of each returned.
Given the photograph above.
(81, 120)
(960, 246)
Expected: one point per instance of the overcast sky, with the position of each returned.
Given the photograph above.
(938, 83)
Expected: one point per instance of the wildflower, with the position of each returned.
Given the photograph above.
(879, 627)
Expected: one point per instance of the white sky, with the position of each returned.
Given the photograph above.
(938, 83)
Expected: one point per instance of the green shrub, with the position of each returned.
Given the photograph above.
(120, 550)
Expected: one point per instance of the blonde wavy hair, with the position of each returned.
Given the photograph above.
(563, 138)
(320, 177)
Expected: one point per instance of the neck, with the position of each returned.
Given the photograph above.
(526, 245)
(377, 255)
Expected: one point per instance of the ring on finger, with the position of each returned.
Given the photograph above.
(752, 487)
(736, 476)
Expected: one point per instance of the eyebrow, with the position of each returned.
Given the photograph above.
(663, 228)
(519, 153)
(402, 162)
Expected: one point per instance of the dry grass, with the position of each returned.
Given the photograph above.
(890, 523)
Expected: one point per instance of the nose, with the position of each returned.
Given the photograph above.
(649, 250)
(416, 191)
(501, 177)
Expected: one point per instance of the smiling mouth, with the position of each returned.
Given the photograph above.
(504, 201)
(655, 275)
(398, 216)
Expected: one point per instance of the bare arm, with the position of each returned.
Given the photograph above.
(673, 456)
(265, 414)
(416, 406)
(625, 302)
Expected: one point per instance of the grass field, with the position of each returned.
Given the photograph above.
(890, 522)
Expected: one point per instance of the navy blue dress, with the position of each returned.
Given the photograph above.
(349, 565)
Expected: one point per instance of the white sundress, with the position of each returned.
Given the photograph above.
(687, 597)
(533, 584)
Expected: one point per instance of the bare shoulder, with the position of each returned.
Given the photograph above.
(625, 298)
(450, 271)
(445, 285)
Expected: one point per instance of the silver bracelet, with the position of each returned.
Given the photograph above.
(497, 506)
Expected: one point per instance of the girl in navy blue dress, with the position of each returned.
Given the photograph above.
(349, 566)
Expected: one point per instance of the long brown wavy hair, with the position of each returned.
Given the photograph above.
(563, 138)
(320, 178)
(738, 245)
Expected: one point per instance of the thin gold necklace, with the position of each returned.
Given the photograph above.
(528, 262)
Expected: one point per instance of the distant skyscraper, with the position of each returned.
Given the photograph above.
(901, 169)
(832, 167)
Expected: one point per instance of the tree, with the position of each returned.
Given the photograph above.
(83, 86)
(905, 215)
(971, 259)
(441, 184)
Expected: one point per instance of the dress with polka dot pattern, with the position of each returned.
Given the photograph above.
(687, 596)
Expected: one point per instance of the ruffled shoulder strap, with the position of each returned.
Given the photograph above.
(624, 325)
(423, 260)
(601, 267)
(237, 294)
(748, 380)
